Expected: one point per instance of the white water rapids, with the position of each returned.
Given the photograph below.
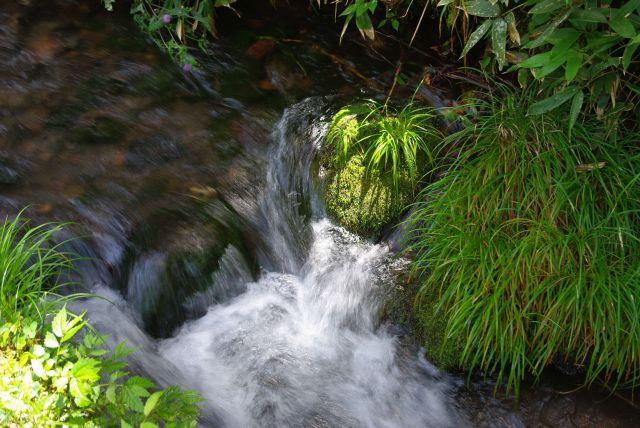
(301, 346)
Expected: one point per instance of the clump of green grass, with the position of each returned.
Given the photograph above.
(400, 142)
(30, 269)
(531, 240)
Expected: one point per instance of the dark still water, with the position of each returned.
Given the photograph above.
(196, 197)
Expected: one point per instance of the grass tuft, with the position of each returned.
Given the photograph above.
(31, 266)
(531, 239)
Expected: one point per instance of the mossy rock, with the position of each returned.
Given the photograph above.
(365, 205)
(425, 324)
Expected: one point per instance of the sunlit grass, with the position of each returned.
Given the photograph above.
(31, 267)
(531, 238)
(396, 142)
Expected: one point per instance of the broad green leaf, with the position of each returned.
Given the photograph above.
(125, 424)
(536, 60)
(476, 36)
(148, 425)
(499, 40)
(547, 6)
(151, 403)
(593, 16)
(58, 322)
(86, 369)
(574, 61)
(50, 340)
(627, 56)
(551, 27)
(481, 8)
(623, 26)
(30, 330)
(553, 101)
(131, 399)
(576, 106)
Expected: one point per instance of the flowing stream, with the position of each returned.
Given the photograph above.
(301, 345)
(197, 203)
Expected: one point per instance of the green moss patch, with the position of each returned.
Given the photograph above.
(364, 205)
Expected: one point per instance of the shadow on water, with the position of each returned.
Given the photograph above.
(197, 200)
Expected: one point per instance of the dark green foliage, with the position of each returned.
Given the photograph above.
(531, 239)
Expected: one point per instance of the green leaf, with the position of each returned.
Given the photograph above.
(623, 26)
(58, 322)
(148, 425)
(536, 60)
(589, 16)
(499, 40)
(395, 24)
(576, 106)
(50, 340)
(111, 394)
(30, 330)
(574, 61)
(442, 3)
(131, 399)
(481, 8)
(552, 102)
(547, 6)
(551, 27)
(86, 369)
(476, 36)
(627, 56)
(125, 424)
(152, 402)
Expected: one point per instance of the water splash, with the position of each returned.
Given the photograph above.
(301, 345)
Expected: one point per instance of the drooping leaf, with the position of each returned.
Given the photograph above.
(627, 56)
(547, 6)
(476, 36)
(623, 26)
(499, 40)
(514, 35)
(152, 402)
(549, 29)
(553, 101)
(574, 61)
(576, 106)
(481, 8)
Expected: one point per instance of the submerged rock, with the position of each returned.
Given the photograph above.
(8, 175)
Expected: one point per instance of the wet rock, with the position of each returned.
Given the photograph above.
(101, 130)
(284, 77)
(261, 49)
(558, 411)
(152, 151)
(8, 175)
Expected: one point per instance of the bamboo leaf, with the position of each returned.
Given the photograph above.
(576, 106)
(627, 56)
(476, 36)
(481, 8)
(547, 6)
(499, 40)
(574, 61)
(552, 102)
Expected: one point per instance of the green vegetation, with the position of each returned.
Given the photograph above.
(55, 370)
(531, 240)
(376, 157)
(31, 269)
